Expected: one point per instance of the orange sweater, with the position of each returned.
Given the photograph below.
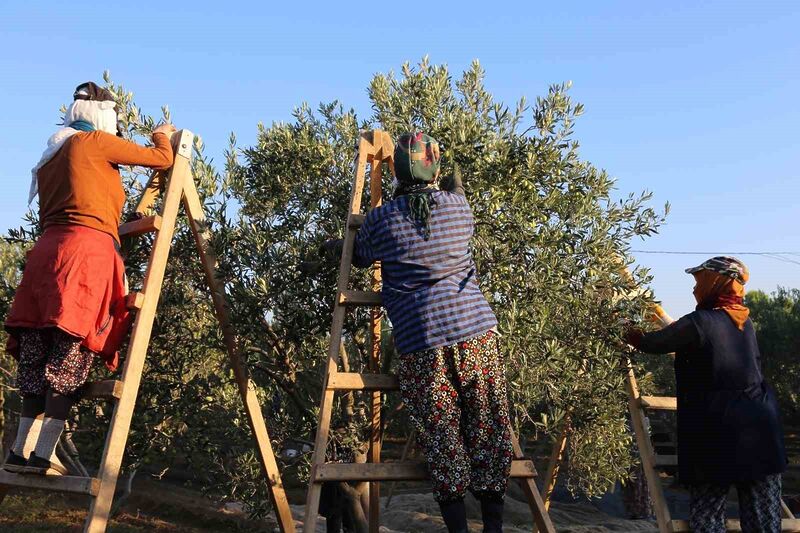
(81, 184)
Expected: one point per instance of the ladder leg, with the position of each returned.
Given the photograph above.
(269, 466)
(646, 454)
(117, 436)
(540, 516)
(314, 488)
(326, 405)
(3, 492)
(376, 316)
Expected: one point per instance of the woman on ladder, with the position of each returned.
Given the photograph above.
(729, 429)
(451, 370)
(70, 305)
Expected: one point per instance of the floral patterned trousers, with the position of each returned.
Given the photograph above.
(759, 506)
(51, 359)
(456, 396)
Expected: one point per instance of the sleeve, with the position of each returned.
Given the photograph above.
(122, 152)
(453, 184)
(364, 249)
(680, 335)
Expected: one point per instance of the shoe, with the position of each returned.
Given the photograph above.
(492, 515)
(14, 463)
(43, 467)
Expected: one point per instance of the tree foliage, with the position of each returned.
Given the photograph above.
(550, 241)
(776, 318)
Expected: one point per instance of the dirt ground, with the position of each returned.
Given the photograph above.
(163, 508)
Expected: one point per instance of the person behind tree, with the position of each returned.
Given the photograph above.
(451, 369)
(69, 308)
(729, 428)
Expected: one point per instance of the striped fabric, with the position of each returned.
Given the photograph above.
(430, 288)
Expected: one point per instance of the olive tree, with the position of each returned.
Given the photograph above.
(550, 240)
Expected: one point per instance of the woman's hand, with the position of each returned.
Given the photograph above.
(166, 129)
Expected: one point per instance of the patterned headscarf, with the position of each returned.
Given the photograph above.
(416, 166)
(720, 285)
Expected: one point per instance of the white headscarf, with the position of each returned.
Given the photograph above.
(99, 114)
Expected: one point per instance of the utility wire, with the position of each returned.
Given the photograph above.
(778, 256)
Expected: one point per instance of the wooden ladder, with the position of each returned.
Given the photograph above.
(179, 187)
(638, 406)
(375, 148)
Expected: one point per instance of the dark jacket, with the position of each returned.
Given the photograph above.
(729, 427)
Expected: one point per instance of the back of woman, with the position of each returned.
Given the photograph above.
(69, 309)
(426, 270)
(450, 366)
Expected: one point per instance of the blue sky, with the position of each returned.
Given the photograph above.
(695, 102)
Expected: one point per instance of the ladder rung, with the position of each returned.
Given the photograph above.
(787, 524)
(663, 403)
(355, 221)
(355, 381)
(73, 484)
(108, 389)
(666, 460)
(368, 298)
(520, 468)
(134, 301)
(138, 227)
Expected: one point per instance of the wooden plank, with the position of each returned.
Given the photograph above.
(520, 469)
(265, 453)
(787, 524)
(141, 226)
(367, 382)
(134, 301)
(117, 436)
(108, 389)
(365, 298)
(661, 403)
(71, 484)
(355, 221)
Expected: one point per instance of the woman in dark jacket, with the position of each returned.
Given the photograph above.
(729, 429)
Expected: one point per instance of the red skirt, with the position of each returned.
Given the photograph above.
(74, 280)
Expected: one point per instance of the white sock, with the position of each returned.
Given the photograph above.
(48, 437)
(27, 435)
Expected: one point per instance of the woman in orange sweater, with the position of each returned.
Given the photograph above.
(69, 307)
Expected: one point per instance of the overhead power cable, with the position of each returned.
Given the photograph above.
(778, 256)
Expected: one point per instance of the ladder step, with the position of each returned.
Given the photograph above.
(134, 301)
(367, 298)
(520, 468)
(108, 389)
(666, 460)
(72, 484)
(787, 524)
(355, 381)
(141, 226)
(355, 221)
(661, 403)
